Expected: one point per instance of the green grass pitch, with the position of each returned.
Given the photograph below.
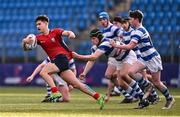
(26, 102)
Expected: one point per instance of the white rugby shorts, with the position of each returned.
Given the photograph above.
(154, 65)
(130, 59)
(112, 61)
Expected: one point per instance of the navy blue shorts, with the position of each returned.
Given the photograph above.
(62, 62)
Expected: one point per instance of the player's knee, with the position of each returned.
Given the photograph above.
(123, 75)
(70, 87)
(121, 83)
(156, 83)
(77, 86)
(108, 76)
(42, 73)
(115, 76)
(131, 72)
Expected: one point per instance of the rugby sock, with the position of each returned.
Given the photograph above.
(154, 93)
(165, 92)
(133, 92)
(126, 95)
(136, 88)
(144, 83)
(96, 95)
(48, 89)
(89, 89)
(54, 89)
(116, 90)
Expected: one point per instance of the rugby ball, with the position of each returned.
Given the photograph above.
(33, 39)
(33, 42)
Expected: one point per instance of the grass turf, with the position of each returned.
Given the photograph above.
(26, 102)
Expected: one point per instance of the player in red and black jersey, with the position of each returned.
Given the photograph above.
(52, 43)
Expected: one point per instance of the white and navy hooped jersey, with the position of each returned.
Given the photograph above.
(71, 63)
(127, 38)
(47, 60)
(93, 48)
(112, 32)
(144, 43)
(109, 51)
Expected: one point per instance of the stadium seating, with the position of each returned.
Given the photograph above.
(84, 47)
(17, 18)
(161, 20)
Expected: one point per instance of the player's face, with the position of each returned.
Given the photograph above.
(95, 40)
(117, 24)
(132, 21)
(125, 26)
(103, 22)
(41, 26)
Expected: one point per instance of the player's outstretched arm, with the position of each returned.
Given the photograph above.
(109, 89)
(91, 57)
(70, 34)
(129, 46)
(87, 68)
(35, 72)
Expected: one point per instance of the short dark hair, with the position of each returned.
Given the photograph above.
(117, 19)
(96, 33)
(42, 18)
(136, 14)
(125, 19)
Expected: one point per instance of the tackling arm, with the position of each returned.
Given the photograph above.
(87, 68)
(35, 72)
(129, 46)
(91, 57)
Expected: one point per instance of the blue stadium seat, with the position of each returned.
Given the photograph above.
(17, 16)
(151, 15)
(149, 8)
(164, 22)
(178, 15)
(156, 40)
(30, 53)
(168, 29)
(136, 2)
(82, 25)
(177, 28)
(146, 2)
(84, 47)
(158, 8)
(161, 14)
(151, 29)
(133, 7)
(110, 4)
(165, 48)
(174, 7)
(148, 22)
(161, 17)
(176, 47)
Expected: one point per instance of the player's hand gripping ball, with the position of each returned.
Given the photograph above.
(30, 42)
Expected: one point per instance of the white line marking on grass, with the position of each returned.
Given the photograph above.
(54, 114)
(26, 94)
(23, 104)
